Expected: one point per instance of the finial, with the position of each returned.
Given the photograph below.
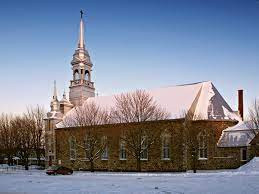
(81, 12)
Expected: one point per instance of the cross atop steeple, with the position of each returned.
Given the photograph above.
(81, 12)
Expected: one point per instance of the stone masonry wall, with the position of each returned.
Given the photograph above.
(179, 159)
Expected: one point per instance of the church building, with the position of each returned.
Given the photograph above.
(217, 121)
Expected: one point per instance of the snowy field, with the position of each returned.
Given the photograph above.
(243, 180)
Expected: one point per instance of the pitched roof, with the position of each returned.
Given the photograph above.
(202, 98)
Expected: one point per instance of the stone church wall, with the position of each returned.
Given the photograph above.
(255, 146)
(179, 157)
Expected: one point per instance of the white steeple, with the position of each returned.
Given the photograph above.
(54, 105)
(81, 87)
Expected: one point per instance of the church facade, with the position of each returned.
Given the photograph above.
(169, 152)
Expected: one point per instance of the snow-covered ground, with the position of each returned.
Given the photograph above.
(243, 180)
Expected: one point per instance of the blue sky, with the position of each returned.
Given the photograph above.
(132, 44)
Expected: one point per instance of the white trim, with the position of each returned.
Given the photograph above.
(222, 157)
(166, 159)
(202, 158)
(85, 159)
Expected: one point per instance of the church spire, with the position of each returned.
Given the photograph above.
(81, 42)
(55, 96)
(81, 86)
(54, 105)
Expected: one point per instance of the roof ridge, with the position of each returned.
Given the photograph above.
(194, 83)
(151, 89)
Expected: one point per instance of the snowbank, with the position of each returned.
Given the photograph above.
(251, 166)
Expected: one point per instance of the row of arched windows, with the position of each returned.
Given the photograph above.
(165, 147)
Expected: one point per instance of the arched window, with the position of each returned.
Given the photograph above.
(144, 148)
(76, 75)
(87, 75)
(104, 142)
(166, 141)
(72, 146)
(87, 147)
(123, 153)
(202, 141)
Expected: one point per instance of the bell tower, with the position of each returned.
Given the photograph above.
(81, 87)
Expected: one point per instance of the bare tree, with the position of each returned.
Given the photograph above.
(36, 116)
(22, 135)
(253, 118)
(253, 125)
(138, 107)
(24, 127)
(8, 137)
(89, 115)
(191, 136)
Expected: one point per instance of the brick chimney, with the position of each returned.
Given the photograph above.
(241, 104)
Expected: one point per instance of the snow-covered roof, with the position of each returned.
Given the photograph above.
(201, 98)
(239, 135)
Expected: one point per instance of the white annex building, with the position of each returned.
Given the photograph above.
(202, 98)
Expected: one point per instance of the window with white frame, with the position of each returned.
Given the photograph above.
(166, 140)
(72, 146)
(243, 154)
(104, 155)
(144, 150)
(202, 150)
(123, 155)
